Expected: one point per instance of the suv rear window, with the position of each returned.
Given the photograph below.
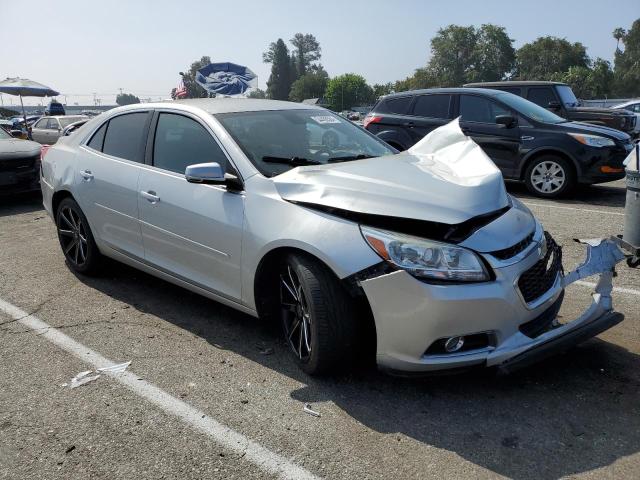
(432, 106)
(399, 105)
(125, 136)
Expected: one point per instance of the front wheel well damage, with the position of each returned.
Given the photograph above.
(266, 295)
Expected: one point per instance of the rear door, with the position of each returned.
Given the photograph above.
(478, 120)
(428, 113)
(39, 130)
(192, 231)
(108, 170)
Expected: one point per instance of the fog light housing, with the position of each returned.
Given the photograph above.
(608, 169)
(453, 344)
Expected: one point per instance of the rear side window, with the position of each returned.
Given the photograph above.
(98, 138)
(480, 109)
(433, 106)
(399, 106)
(541, 96)
(181, 141)
(125, 136)
(514, 90)
(41, 123)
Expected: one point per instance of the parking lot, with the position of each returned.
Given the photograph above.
(211, 393)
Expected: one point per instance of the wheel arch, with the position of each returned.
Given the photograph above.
(57, 198)
(535, 154)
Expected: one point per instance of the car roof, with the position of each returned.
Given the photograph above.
(513, 83)
(481, 91)
(231, 105)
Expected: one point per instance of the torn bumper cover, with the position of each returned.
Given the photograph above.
(411, 316)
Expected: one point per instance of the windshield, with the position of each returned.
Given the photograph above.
(66, 121)
(277, 140)
(529, 109)
(567, 96)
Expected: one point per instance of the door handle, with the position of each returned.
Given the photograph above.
(86, 175)
(150, 196)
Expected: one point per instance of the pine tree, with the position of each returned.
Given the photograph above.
(280, 80)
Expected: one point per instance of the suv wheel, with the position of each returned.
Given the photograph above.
(317, 315)
(549, 176)
(76, 239)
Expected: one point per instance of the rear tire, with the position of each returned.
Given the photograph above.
(318, 316)
(76, 240)
(550, 176)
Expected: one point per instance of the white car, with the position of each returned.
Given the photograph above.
(47, 130)
(421, 256)
(632, 106)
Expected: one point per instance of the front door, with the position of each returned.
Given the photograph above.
(108, 170)
(191, 231)
(502, 144)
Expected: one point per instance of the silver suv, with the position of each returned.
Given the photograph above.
(249, 203)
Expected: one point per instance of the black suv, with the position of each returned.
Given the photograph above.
(54, 108)
(560, 99)
(526, 141)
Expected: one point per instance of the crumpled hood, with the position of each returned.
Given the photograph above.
(16, 148)
(444, 178)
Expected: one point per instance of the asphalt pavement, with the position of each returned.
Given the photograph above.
(212, 393)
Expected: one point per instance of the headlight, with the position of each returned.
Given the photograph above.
(426, 258)
(592, 140)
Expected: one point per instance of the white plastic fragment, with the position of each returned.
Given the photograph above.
(83, 378)
(119, 368)
(307, 409)
(90, 375)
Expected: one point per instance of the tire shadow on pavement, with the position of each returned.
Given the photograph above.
(605, 195)
(569, 414)
(18, 203)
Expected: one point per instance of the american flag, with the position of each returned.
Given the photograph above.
(181, 90)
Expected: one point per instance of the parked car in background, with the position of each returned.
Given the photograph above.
(560, 99)
(527, 142)
(19, 164)
(353, 249)
(72, 127)
(47, 130)
(54, 108)
(634, 107)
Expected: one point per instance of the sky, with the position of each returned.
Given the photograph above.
(84, 47)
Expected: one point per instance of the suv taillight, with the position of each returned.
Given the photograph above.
(370, 119)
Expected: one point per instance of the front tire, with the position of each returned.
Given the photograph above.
(549, 176)
(317, 315)
(76, 240)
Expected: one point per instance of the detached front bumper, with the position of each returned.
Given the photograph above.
(411, 315)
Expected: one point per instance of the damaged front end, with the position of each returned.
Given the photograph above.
(412, 334)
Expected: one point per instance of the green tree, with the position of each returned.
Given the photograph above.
(495, 56)
(348, 90)
(257, 93)
(453, 55)
(547, 56)
(618, 34)
(310, 85)
(382, 89)
(126, 99)
(588, 83)
(189, 78)
(306, 50)
(279, 83)
(421, 78)
(627, 63)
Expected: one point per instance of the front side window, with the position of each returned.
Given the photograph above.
(432, 106)
(278, 140)
(42, 124)
(541, 96)
(480, 109)
(181, 141)
(399, 105)
(125, 136)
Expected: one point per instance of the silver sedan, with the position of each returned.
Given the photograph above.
(421, 257)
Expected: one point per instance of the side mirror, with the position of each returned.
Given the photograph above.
(508, 121)
(212, 174)
(554, 105)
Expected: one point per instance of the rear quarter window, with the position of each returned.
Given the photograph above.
(98, 138)
(399, 105)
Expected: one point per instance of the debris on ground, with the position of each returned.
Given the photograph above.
(90, 375)
(307, 409)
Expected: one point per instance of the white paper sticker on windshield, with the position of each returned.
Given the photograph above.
(325, 119)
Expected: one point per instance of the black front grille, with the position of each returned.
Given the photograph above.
(536, 281)
(18, 165)
(543, 322)
(514, 250)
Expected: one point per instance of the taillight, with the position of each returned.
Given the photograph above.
(43, 151)
(370, 119)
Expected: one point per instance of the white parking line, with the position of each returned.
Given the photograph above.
(548, 205)
(630, 291)
(264, 458)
